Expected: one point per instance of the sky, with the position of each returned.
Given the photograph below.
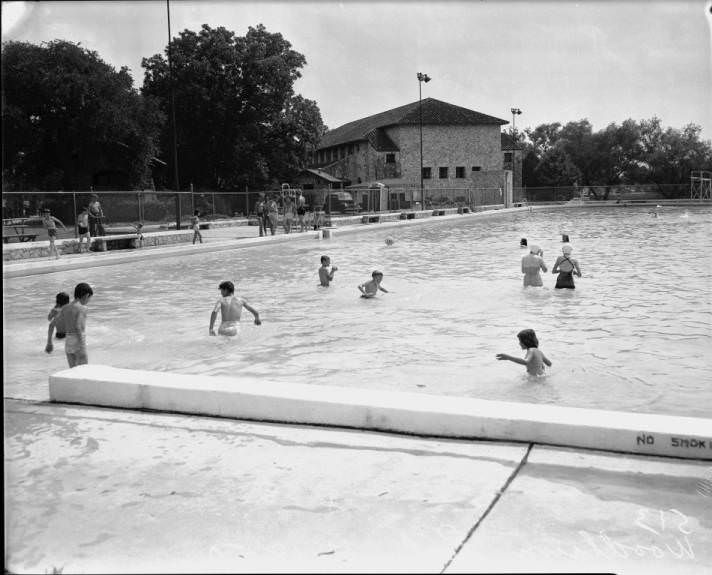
(561, 61)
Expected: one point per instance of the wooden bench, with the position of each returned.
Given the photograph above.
(463, 210)
(438, 212)
(370, 219)
(117, 241)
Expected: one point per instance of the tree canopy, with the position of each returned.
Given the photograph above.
(238, 121)
(69, 117)
(631, 153)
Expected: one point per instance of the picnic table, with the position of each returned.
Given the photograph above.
(14, 230)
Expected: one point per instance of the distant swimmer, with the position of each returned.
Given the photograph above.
(369, 289)
(567, 267)
(531, 264)
(326, 275)
(655, 212)
(390, 241)
(230, 307)
(534, 360)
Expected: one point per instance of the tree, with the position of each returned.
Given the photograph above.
(68, 116)
(238, 121)
(557, 169)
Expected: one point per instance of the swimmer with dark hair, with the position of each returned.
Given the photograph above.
(370, 289)
(534, 359)
(325, 275)
(73, 320)
(230, 307)
(56, 320)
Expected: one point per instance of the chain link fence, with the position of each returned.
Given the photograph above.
(165, 209)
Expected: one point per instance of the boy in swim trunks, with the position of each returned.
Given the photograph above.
(370, 289)
(56, 322)
(83, 229)
(326, 276)
(230, 307)
(74, 317)
(49, 221)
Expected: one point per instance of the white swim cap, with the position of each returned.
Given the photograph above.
(567, 249)
(534, 249)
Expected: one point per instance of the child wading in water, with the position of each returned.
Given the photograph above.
(61, 300)
(534, 358)
(326, 276)
(370, 289)
(73, 319)
(230, 307)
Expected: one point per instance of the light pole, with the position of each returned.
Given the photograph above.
(515, 112)
(421, 78)
(176, 183)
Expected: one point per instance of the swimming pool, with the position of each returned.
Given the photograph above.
(634, 335)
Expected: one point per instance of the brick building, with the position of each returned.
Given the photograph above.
(461, 148)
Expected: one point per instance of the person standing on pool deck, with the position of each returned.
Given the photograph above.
(531, 264)
(74, 316)
(195, 222)
(96, 216)
(534, 358)
(325, 275)
(567, 267)
(83, 228)
(56, 321)
(230, 307)
(370, 289)
(49, 222)
(272, 215)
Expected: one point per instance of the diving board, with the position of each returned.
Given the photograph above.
(388, 411)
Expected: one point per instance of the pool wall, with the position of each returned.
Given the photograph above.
(400, 412)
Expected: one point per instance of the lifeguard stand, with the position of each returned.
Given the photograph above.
(700, 185)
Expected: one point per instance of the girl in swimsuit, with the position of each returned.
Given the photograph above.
(566, 267)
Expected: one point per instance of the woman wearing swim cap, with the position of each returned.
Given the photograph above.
(531, 264)
(566, 266)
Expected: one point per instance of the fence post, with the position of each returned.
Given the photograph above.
(74, 201)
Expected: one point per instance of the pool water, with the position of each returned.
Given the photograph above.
(634, 335)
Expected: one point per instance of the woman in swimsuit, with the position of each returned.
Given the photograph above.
(531, 264)
(566, 267)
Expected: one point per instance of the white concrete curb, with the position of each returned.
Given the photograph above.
(412, 413)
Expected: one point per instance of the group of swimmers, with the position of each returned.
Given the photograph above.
(565, 266)
(368, 289)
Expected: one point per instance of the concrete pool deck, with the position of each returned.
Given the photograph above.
(98, 490)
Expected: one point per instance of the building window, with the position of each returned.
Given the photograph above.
(508, 157)
(460, 172)
(442, 173)
(357, 147)
(427, 174)
(390, 158)
(476, 168)
(351, 149)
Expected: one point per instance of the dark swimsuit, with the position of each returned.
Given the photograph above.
(566, 279)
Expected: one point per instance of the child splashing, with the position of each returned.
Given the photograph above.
(534, 358)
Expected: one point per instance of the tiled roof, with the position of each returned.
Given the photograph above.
(322, 174)
(508, 143)
(380, 141)
(435, 112)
